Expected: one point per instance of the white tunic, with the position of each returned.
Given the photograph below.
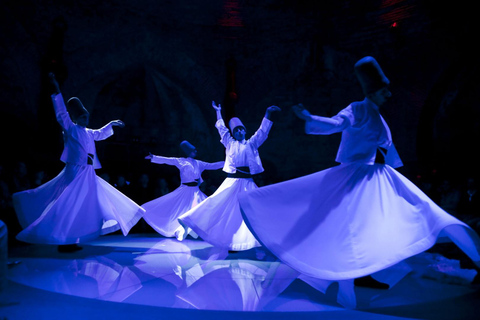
(249, 153)
(162, 213)
(76, 205)
(363, 131)
(353, 219)
(78, 141)
(218, 219)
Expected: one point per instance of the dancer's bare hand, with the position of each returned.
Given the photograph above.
(301, 112)
(271, 109)
(217, 108)
(54, 82)
(118, 123)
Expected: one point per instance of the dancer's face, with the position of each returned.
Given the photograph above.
(381, 96)
(83, 120)
(239, 133)
(193, 153)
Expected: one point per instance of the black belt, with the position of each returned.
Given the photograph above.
(242, 172)
(191, 184)
(380, 156)
(90, 159)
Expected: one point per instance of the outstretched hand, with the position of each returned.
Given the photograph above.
(54, 82)
(271, 109)
(149, 157)
(118, 123)
(301, 112)
(217, 108)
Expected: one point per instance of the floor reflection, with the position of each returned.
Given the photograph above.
(240, 285)
(168, 274)
(206, 279)
(96, 277)
(194, 275)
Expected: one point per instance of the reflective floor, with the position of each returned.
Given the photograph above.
(147, 274)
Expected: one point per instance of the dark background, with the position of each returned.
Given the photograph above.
(158, 64)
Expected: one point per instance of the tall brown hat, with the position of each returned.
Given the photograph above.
(370, 75)
(187, 147)
(75, 108)
(235, 122)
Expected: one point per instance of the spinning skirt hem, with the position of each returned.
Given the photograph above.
(162, 213)
(218, 220)
(75, 206)
(344, 222)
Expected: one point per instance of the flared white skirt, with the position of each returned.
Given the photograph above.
(347, 221)
(218, 219)
(162, 213)
(73, 207)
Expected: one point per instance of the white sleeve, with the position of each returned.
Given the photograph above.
(323, 125)
(166, 160)
(61, 113)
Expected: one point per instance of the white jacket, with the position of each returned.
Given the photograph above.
(78, 141)
(363, 131)
(252, 145)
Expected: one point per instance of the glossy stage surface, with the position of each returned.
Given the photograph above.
(150, 277)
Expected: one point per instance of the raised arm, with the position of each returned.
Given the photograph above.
(54, 83)
(218, 109)
(225, 136)
(259, 137)
(270, 110)
(163, 160)
(212, 165)
(63, 118)
(320, 125)
(107, 130)
(117, 123)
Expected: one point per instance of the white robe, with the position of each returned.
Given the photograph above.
(162, 213)
(353, 219)
(218, 219)
(76, 205)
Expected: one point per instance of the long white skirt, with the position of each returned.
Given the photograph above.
(162, 213)
(218, 219)
(73, 207)
(349, 221)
